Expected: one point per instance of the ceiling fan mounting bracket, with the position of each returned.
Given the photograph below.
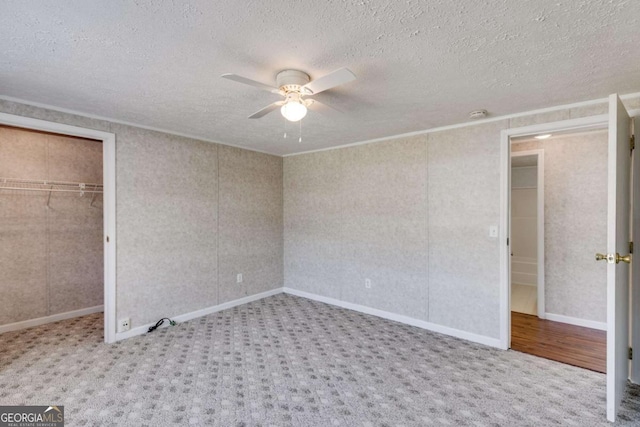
(291, 80)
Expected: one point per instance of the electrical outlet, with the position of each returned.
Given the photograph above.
(239, 278)
(367, 283)
(125, 325)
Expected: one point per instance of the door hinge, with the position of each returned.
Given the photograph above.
(107, 239)
(507, 241)
(632, 142)
(630, 353)
(630, 247)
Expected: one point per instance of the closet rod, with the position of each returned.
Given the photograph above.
(49, 190)
(45, 182)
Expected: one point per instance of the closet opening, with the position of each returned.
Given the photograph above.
(56, 214)
(558, 213)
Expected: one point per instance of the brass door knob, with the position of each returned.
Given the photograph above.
(611, 258)
(626, 258)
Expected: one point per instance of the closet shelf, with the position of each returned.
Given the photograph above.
(51, 187)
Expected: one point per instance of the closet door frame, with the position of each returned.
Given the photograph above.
(109, 203)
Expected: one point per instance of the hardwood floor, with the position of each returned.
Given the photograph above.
(574, 345)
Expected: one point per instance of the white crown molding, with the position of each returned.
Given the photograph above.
(124, 122)
(353, 144)
(471, 123)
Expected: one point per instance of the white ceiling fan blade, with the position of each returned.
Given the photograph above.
(324, 109)
(240, 79)
(266, 110)
(331, 80)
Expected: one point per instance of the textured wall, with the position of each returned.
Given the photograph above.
(391, 212)
(383, 222)
(357, 214)
(250, 215)
(464, 200)
(329, 231)
(461, 274)
(167, 192)
(312, 228)
(575, 185)
(171, 225)
(51, 259)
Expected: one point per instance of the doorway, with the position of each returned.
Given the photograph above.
(558, 208)
(616, 255)
(108, 205)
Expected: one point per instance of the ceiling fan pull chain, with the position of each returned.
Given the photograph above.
(300, 138)
(285, 128)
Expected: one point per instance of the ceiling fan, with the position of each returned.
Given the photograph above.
(294, 86)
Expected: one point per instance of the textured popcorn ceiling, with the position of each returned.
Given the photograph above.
(420, 64)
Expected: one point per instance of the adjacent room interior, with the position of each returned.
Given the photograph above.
(558, 309)
(320, 214)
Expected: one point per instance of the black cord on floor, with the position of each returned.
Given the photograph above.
(160, 322)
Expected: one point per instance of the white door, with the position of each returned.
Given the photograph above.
(619, 207)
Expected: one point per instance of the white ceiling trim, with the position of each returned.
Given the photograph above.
(474, 123)
(370, 141)
(122, 122)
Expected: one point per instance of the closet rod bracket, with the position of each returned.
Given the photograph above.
(49, 196)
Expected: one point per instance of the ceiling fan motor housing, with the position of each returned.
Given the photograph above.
(291, 80)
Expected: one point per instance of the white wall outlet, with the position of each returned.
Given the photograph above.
(239, 278)
(493, 231)
(124, 325)
(367, 283)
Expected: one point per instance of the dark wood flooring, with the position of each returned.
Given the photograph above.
(574, 345)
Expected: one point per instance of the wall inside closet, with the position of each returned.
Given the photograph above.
(51, 256)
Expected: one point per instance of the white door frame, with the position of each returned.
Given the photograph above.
(634, 307)
(592, 122)
(109, 202)
(540, 225)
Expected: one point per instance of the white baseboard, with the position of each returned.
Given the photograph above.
(140, 330)
(576, 321)
(50, 319)
(469, 336)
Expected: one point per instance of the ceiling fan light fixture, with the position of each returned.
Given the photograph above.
(293, 85)
(293, 110)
